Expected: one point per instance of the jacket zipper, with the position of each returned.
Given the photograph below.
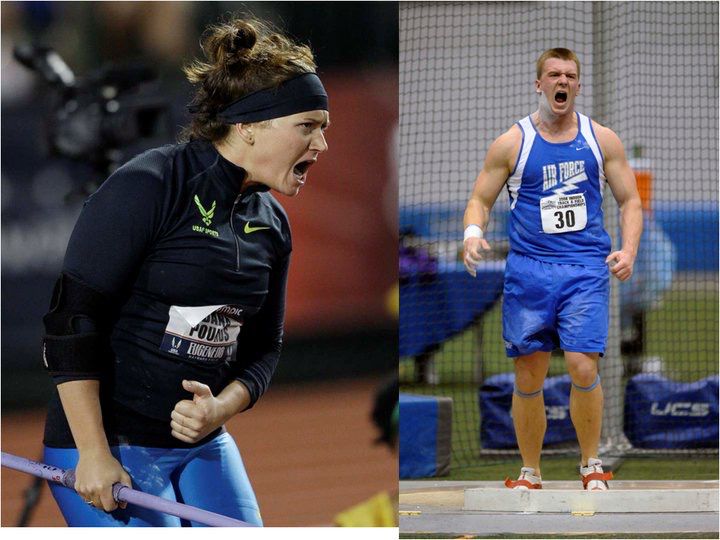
(232, 228)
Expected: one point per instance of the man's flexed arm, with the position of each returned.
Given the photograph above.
(624, 188)
(489, 183)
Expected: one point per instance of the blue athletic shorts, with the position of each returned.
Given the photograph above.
(211, 476)
(548, 305)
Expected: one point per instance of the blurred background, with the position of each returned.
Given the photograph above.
(126, 58)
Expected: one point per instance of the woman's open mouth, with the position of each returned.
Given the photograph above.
(300, 170)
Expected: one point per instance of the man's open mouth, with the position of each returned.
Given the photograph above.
(561, 96)
(301, 169)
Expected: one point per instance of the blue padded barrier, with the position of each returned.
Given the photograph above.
(425, 436)
(660, 413)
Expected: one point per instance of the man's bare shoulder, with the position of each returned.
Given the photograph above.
(609, 141)
(512, 137)
(507, 145)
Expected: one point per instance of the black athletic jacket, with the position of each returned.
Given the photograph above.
(194, 269)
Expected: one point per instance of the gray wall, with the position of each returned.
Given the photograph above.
(649, 71)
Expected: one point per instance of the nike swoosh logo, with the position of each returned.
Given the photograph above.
(248, 229)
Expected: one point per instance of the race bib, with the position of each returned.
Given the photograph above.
(206, 334)
(563, 213)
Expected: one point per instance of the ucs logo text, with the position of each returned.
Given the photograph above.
(680, 408)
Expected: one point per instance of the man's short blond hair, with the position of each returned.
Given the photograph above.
(562, 54)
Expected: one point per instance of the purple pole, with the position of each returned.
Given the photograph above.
(123, 493)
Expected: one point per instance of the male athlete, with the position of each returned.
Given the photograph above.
(554, 163)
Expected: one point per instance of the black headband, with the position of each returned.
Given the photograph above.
(300, 94)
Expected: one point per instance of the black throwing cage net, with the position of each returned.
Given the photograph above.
(650, 73)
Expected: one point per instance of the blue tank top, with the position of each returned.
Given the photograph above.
(556, 193)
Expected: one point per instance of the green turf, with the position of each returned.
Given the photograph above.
(683, 331)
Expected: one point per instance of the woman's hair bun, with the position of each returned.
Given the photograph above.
(243, 37)
(228, 43)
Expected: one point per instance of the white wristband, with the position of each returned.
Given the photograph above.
(473, 231)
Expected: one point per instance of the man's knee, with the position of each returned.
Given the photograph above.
(528, 384)
(583, 369)
(530, 372)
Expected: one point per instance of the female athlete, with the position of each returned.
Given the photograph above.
(167, 318)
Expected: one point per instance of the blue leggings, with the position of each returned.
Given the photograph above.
(211, 477)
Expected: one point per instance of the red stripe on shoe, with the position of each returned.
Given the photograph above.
(600, 476)
(522, 482)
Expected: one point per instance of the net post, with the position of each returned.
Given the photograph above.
(611, 366)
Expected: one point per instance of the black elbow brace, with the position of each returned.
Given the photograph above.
(74, 345)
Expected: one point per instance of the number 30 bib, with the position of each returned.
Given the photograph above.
(563, 213)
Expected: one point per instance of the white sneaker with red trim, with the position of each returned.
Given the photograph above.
(526, 480)
(593, 477)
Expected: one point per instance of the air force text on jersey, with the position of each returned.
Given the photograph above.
(571, 172)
